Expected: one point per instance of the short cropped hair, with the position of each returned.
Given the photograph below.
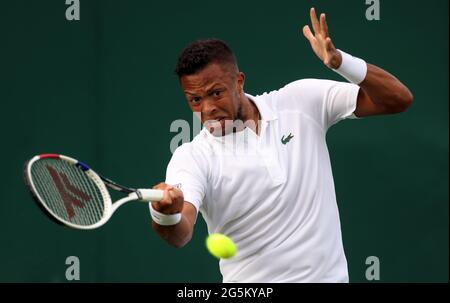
(198, 54)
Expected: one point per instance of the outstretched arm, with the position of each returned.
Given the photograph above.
(380, 93)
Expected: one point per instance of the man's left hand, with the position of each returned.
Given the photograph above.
(321, 42)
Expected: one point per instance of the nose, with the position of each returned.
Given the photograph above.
(209, 109)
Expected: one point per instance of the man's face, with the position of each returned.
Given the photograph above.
(215, 93)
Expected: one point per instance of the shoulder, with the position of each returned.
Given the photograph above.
(307, 87)
(296, 88)
(288, 96)
(304, 92)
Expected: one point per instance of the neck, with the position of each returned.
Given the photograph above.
(250, 114)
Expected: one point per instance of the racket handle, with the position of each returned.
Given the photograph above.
(148, 195)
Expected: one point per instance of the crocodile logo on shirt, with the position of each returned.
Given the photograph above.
(287, 139)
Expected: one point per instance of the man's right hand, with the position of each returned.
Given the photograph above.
(172, 202)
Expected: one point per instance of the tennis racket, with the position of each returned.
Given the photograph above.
(72, 194)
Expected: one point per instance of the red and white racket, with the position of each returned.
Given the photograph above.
(71, 193)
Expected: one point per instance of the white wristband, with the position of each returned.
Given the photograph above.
(352, 68)
(163, 219)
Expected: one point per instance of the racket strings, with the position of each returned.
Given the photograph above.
(67, 191)
(47, 192)
(75, 193)
(94, 210)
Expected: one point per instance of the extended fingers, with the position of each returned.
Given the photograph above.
(314, 21)
(319, 26)
(323, 25)
(307, 33)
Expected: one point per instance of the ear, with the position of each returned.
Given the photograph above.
(241, 81)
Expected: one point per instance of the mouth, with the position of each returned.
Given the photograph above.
(216, 124)
(215, 120)
(219, 119)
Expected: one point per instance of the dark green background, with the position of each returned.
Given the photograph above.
(102, 90)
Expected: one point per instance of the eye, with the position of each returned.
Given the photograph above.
(195, 100)
(217, 93)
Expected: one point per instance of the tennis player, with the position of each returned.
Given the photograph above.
(268, 184)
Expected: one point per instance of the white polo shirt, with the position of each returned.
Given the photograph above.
(273, 194)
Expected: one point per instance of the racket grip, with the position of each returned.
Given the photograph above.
(148, 195)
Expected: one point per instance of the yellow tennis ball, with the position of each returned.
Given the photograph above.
(220, 246)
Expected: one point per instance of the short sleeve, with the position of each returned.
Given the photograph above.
(325, 101)
(186, 170)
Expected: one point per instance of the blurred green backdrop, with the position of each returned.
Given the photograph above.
(103, 90)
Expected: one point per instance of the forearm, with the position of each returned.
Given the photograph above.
(385, 90)
(380, 93)
(177, 235)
